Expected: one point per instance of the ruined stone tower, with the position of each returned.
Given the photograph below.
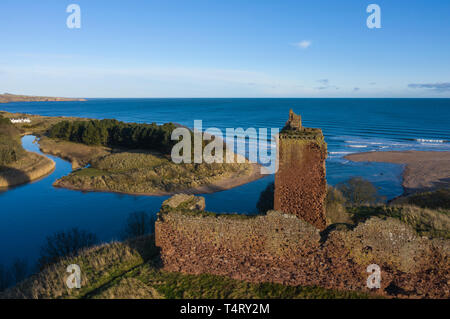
(300, 184)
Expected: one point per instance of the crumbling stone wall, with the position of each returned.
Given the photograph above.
(279, 247)
(300, 184)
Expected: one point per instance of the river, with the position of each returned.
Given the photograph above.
(36, 210)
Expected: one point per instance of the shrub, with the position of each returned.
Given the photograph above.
(139, 224)
(5, 278)
(335, 207)
(358, 191)
(265, 201)
(64, 244)
(19, 270)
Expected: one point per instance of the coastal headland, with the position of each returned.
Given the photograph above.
(7, 98)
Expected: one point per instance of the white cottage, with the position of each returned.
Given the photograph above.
(20, 120)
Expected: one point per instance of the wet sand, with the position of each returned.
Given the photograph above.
(424, 171)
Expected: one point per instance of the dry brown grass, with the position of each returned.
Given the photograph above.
(79, 155)
(30, 167)
(144, 172)
(99, 266)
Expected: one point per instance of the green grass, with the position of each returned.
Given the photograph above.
(181, 286)
(172, 285)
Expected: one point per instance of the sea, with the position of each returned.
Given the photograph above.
(30, 213)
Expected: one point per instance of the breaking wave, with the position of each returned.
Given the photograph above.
(427, 140)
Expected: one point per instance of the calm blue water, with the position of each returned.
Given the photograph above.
(31, 212)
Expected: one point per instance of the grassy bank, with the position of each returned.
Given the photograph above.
(131, 270)
(16, 165)
(79, 155)
(144, 172)
(28, 168)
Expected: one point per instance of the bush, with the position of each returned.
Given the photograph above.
(358, 191)
(335, 207)
(265, 201)
(139, 224)
(17, 272)
(5, 278)
(65, 244)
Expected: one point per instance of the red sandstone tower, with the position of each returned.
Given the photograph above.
(300, 184)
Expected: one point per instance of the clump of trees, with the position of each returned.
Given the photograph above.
(115, 133)
(64, 243)
(10, 148)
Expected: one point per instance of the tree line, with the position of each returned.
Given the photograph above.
(115, 133)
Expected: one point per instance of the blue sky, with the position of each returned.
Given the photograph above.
(246, 48)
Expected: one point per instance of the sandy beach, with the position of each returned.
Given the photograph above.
(424, 171)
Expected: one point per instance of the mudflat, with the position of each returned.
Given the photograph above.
(424, 170)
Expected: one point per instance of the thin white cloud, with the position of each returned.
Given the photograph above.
(144, 82)
(439, 87)
(303, 44)
(326, 85)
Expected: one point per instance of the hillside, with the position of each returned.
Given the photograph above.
(132, 270)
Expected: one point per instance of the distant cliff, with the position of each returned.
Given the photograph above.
(6, 98)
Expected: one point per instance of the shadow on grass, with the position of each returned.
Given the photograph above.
(13, 177)
(146, 248)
